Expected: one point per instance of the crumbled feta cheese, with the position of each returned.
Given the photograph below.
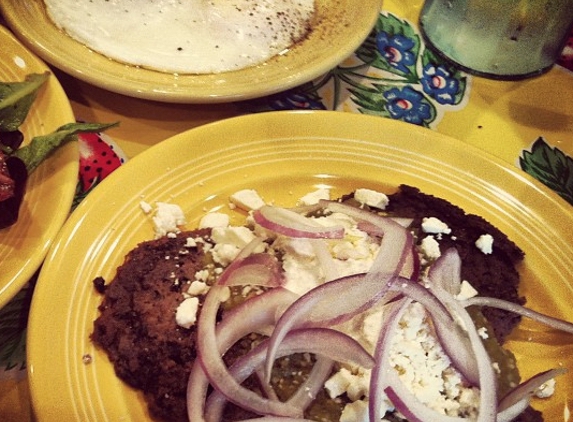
(435, 226)
(546, 390)
(234, 235)
(485, 243)
(425, 368)
(190, 243)
(430, 247)
(337, 384)
(167, 219)
(224, 253)
(466, 291)
(312, 198)
(247, 200)
(482, 332)
(214, 219)
(355, 412)
(186, 314)
(371, 198)
(145, 207)
(197, 288)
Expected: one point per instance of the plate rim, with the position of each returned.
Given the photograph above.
(145, 87)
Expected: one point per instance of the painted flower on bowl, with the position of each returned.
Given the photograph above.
(396, 49)
(440, 84)
(407, 104)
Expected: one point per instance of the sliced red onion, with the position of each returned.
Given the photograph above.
(340, 300)
(208, 355)
(308, 391)
(292, 224)
(259, 269)
(303, 397)
(335, 302)
(446, 272)
(326, 304)
(324, 342)
(487, 377)
(513, 411)
(257, 314)
(505, 305)
(527, 388)
(445, 275)
(381, 370)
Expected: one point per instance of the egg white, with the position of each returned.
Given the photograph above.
(185, 36)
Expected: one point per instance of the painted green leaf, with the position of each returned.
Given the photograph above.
(370, 101)
(392, 26)
(13, 321)
(550, 166)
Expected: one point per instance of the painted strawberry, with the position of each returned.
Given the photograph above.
(99, 156)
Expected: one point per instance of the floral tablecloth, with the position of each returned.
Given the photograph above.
(392, 75)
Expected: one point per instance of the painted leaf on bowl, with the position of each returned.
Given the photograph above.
(550, 166)
(13, 321)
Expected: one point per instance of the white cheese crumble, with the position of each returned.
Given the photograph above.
(426, 370)
(214, 219)
(466, 291)
(167, 219)
(420, 361)
(247, 200)
(485, 243)
(313, 198)
(435, 226)
(546, 390)
(145, 207)
(355, 412)
(371, 198)
(186, 314)
(430, 247)
(198, 288)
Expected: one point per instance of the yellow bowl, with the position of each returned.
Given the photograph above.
(341, 27)
(50, 188)
(283, 155)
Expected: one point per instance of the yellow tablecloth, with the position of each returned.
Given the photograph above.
(527, 123)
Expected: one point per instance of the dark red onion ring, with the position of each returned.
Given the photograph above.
(325, 342)
(556, 323)
(292, 224)
(209, 356)
(527, 388)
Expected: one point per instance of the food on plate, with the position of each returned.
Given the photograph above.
(368, 306)
(186, 36)
(17, 161)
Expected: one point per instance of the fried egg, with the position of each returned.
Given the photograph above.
(185, 36)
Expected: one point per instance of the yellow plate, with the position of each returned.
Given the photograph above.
(51, 186)
(283, 155)
(341, 28)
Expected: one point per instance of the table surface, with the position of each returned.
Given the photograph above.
(527, 123)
